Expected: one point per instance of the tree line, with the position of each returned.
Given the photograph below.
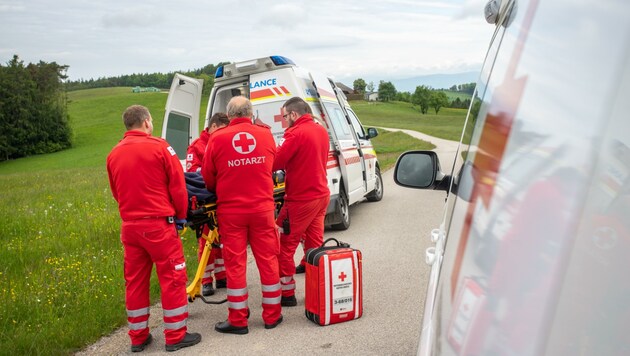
(158, 80)
(33, 109)
(424, 97)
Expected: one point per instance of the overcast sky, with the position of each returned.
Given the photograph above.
(346, 39)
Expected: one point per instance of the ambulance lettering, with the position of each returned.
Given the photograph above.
(246, 161)
(262, 83)
(342, 286)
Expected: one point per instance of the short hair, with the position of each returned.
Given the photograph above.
(219, 119)
(298, 105)
(239, 106)
(134, 116)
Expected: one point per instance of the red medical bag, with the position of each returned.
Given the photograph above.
(334, 291)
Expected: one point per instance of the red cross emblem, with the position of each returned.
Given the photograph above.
(342, 276)
(244, 142)
(279, 118)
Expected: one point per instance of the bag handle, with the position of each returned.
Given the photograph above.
(339, 243)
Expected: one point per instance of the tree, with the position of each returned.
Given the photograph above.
(370, 87)
(438, 100)
(421, 97)
(403, 96)
(386, 91)
(33, 109)
(359, 86)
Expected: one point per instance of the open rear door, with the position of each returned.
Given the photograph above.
(350, 159)
(181, 118)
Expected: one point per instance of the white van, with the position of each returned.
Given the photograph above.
(532, 256)
(353, 169)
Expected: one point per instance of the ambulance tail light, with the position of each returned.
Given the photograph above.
(280, 60)
(219, 72)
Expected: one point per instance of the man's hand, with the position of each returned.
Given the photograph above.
(180, 224)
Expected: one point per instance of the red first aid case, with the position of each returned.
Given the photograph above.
(334, 291)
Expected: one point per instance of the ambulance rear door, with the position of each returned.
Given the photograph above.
(181, 117)
(348, 149)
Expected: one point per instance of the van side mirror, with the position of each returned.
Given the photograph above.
(421, 170)
(372, 132)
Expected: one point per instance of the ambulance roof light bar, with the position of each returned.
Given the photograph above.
(252, 66)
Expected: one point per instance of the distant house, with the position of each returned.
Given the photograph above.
(371, 96)
(344, 88)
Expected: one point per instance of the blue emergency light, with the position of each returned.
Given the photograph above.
(280, 60)
(219, 72)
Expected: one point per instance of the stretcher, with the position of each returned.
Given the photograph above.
(202, 212)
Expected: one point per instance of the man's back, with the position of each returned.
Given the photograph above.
(238, 164)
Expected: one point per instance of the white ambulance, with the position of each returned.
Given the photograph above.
(533, 254)
(353, 169)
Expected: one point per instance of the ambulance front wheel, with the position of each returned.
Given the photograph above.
(343, 209)
(377, 193)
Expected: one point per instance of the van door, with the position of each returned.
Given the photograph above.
(350, 159)
(181, 117)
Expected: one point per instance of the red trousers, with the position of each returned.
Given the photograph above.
(215, 260)
(306, 221)
(259, 230)
(149, 241)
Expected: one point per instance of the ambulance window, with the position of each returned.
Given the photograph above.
(177, 133)
(356, 125)
(339, 123)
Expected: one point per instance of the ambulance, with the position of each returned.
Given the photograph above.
(533, 252)
(353, 170)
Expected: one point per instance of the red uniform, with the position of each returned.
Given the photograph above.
(147, 181)
(194, 158)
(194, 154)
(237, 166)
(303, 155)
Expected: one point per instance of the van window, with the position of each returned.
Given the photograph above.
(356, 125)
(177, 133)
(338, 121)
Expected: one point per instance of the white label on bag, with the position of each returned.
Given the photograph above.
(342, 285)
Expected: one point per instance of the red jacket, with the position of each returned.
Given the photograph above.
(194, 154)
(303, 155)
(237, 167)
(146, 178)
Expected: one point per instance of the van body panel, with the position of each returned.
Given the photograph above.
(532, 254)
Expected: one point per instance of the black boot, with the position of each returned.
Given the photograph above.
(227, 328)
(188, 340)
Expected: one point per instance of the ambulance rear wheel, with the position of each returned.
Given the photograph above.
(344, 211)
(377, 193)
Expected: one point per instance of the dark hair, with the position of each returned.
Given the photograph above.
(134, 116)
(219, 119)
(298, 105)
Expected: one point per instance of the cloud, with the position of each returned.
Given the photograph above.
(132, 17)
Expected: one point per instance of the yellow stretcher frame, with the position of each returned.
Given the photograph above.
(193, 290)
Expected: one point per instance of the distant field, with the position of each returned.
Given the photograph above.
(446, 124)
(452, 95)
(61, 252)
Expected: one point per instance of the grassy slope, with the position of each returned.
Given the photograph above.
(446, 124)
(62, 258)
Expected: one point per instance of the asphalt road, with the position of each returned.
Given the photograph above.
(392, 235)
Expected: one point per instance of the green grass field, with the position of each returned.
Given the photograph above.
(446, 124)
(61, 280)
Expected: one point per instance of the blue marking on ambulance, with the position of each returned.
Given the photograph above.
(262, 83)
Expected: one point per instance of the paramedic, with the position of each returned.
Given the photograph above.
(194, 157)
(303, 154)
(237, 167)
(147, 181)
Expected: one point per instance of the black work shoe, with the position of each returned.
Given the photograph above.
(207, 290)
(188, 340)
(227, 328)
(300, 269)
(139, 348)
(221, 283)
(288, 301)
(273, 325)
